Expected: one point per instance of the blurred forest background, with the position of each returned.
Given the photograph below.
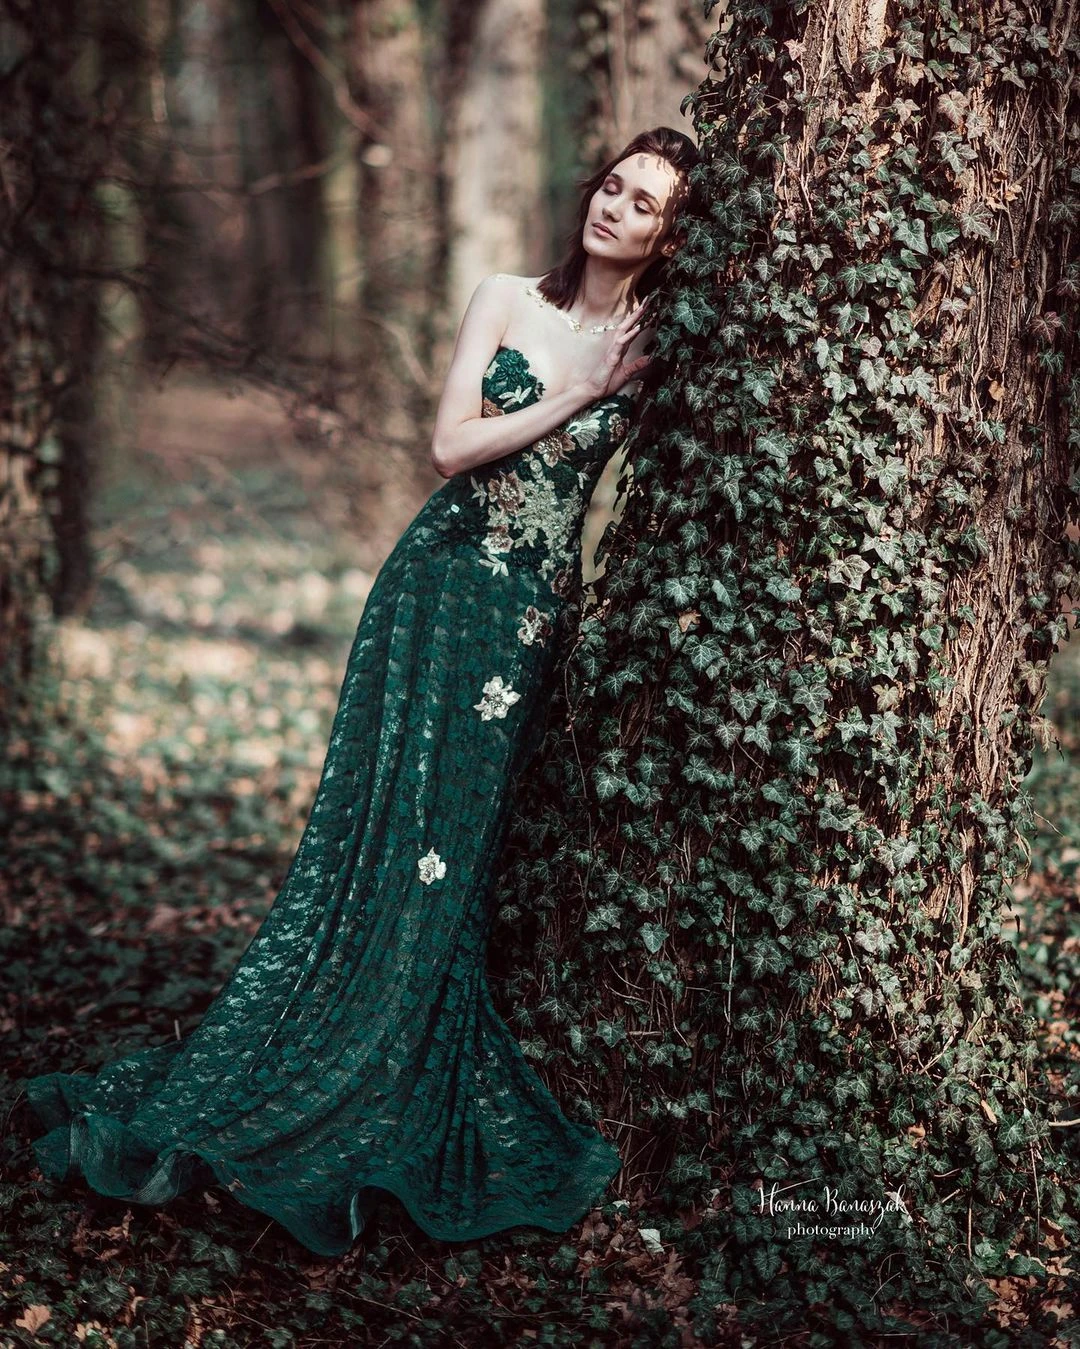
(287, 204)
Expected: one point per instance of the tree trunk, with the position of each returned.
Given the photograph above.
(638, 58)
(788, 804)
(495, 155)
(55, 150)
(398, 173)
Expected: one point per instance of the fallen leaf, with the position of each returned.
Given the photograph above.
(33, 1318)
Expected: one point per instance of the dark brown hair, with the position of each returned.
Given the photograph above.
(561, 284)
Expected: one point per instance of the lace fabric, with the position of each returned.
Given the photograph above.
(354, 1050)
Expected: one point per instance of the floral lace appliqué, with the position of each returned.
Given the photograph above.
(522, 510)
(431, 867)
(509, 397)
(555, 447)
(498, 696)
(538, 503)
(535, 626)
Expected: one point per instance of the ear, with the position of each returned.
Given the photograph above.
(674, 240)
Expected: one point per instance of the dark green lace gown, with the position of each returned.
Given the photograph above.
(354, 1050)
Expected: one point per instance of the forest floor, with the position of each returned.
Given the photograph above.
(148, 827)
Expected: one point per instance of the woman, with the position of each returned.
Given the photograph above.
(354, 1050)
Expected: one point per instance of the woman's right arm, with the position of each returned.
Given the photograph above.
(462, 437)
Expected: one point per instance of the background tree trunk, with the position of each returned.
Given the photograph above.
(638, 59)
(55, 150)
(399, 204)
(495, 166)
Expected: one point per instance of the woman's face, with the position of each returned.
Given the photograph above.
(630, 213)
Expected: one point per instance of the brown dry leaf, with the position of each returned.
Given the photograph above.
(687, 618)
(33, 1318)
(164, 919)
(677, 1289)
(85, 1328)
(988, 1111)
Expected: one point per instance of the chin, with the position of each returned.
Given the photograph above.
(588, 236)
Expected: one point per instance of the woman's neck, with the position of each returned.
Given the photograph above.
(606, 292)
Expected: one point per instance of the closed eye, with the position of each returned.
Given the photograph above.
(610, 188)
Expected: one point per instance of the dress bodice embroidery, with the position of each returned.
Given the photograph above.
(533, 500)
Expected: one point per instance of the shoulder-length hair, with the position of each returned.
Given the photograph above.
(561, 284)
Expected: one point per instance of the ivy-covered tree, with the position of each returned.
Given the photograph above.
(752, 909)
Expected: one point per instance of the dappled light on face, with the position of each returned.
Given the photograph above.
(642, 189)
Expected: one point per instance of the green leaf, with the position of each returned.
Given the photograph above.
(912, 232)
(693, 312)
(799, 754)
(759, 384)
(849, 571)
(653, 936)
(601, 918)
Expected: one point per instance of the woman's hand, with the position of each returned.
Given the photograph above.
(613, 369)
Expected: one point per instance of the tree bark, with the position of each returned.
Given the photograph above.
(55, 149)
(781, 798)
(639, 58)
(495, 161)
(398, 183)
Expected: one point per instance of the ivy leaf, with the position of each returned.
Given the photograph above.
(601, 918)
(693, 312)
(813, 697)
(816, 254)
(723, 595)
(784, 589)
(608, 784)
(978, 223)
(839, 385)
(891, 474)
(849, 571)
(759, 384)
(943, 232)
(909, 421)
(653, 936)
(823, 354)
(921, 383)
(744, 703)
(836, 813)
(912, 232)
(799, 754)
(610, 1032)
(874, 374)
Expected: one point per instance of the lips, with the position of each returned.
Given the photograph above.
(603, 229)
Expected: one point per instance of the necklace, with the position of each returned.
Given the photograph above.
(542, 299)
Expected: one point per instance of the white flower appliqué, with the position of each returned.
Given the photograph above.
(431, 867)
(497, 698)
(535, 626)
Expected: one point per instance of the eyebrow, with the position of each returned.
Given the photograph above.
(640, 191)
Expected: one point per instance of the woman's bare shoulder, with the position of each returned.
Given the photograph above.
(504, 294)
(517, 282)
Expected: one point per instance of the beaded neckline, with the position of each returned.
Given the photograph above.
(539, 383)
(542, 299)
